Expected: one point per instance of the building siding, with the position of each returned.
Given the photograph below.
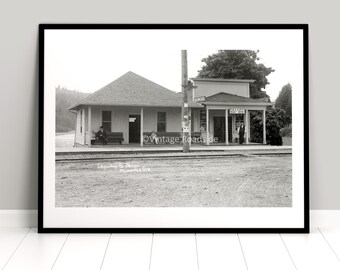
(120, 119)
(212, 88)
(195, 120)
(80, 133)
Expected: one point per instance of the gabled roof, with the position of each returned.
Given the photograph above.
(134, 90)
(231, 99)
(221, 80)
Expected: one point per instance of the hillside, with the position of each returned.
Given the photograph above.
(65, 120)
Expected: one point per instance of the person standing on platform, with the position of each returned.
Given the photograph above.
(241, 132)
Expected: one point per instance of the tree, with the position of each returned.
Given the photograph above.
(237, 64)
(65, 120)
(276, 120)
(284, 100)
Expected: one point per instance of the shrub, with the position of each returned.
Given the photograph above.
(276, 119)
(287, 131)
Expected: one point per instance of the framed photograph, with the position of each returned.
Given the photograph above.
(173, 128)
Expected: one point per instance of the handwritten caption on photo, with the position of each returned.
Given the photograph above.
(124, 167)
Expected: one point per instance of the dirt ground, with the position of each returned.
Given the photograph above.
(65, 139)
(242, 181)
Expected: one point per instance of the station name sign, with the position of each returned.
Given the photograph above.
(200, 99)
(237, 111)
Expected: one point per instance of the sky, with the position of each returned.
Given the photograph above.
(86, 60)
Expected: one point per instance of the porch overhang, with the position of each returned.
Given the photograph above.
(247, 104)
(190, 105)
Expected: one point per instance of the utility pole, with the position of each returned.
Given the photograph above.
(185, 106)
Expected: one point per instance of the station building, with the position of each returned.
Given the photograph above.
(134, 107)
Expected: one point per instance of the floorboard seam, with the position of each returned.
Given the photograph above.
(22, 240)
(198, 264)
(151, 251)
(107, 246)
(329, 245)
(290, 256)
(60, 251)
(244, 257)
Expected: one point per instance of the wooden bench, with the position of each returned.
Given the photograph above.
(112, 137)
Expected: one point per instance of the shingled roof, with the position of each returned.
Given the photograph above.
(230, 98)
(134, 90)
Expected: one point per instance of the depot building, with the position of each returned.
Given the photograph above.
(132, 107)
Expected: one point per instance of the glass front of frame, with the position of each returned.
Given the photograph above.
(115, 120)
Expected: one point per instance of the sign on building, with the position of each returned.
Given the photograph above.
(203, 120)
(200, 99)
(237, 111)
(185, 129)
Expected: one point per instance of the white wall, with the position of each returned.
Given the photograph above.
(195, 119)
(120, 117)
(173, 119)
(209, 88)
(19, 21)
(80, 132)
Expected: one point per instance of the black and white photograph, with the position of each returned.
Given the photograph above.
(187, 128)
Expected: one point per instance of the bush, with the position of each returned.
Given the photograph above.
(287, 131)
(276, 119)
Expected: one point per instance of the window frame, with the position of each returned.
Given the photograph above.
(105, 121)
(162, 122)
(81, 120)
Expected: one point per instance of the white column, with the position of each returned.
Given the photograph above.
(226, 128)
(89, 125)
(248, 124)
(207, 126)
(141, 125)
(247, 127)
(264, 126)
(83, 125)
(190, 126)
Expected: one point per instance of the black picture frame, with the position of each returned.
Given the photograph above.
(303, 27)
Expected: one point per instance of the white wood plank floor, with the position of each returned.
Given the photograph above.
(23, 248)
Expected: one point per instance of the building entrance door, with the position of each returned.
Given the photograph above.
(230, 129)
(219, 128)
(134, 128)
